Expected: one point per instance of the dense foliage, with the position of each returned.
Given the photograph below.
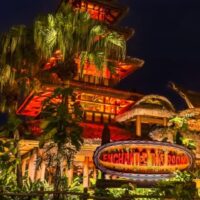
(25, 53)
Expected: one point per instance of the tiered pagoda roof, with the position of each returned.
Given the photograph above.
(107, 11)
(100, 102)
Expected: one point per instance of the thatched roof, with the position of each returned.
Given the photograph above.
(155, 100)
(150, 105)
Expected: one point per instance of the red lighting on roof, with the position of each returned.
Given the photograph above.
(91, 131)
(100, 10)
(33, 104)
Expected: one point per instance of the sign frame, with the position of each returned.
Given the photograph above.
(141, 176)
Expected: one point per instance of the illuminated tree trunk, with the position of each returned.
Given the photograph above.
(57, 175)
(70, 175)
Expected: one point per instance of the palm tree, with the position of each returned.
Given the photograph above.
(74, 33)
(24, 51)
(61, 130)
(18, 60)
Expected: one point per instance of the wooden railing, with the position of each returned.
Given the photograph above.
(73, 196)
(66, 195)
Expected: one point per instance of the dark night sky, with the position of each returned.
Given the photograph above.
(167, 37)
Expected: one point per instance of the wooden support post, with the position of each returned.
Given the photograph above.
(156, 159)
(149, 161)
(165, 121)
(32, 165)
(23, 167)
(43, 169)
(138, 126)
(86, 172)
(41, 172)
(70, 175)
(38, 173)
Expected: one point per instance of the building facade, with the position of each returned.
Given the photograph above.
(95, 93)
(103, 105)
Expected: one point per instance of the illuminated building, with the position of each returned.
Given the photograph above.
(94, 91)
(102, 104)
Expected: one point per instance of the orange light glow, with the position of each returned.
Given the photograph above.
(122, 70)
(51, 62)
(138, 158)
(90, 131)
(99, 10)
(33, 104)
(89, 102)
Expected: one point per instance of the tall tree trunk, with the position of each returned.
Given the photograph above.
(57, 175)
(18, 158)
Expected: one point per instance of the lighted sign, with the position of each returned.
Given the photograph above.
(142, 160)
